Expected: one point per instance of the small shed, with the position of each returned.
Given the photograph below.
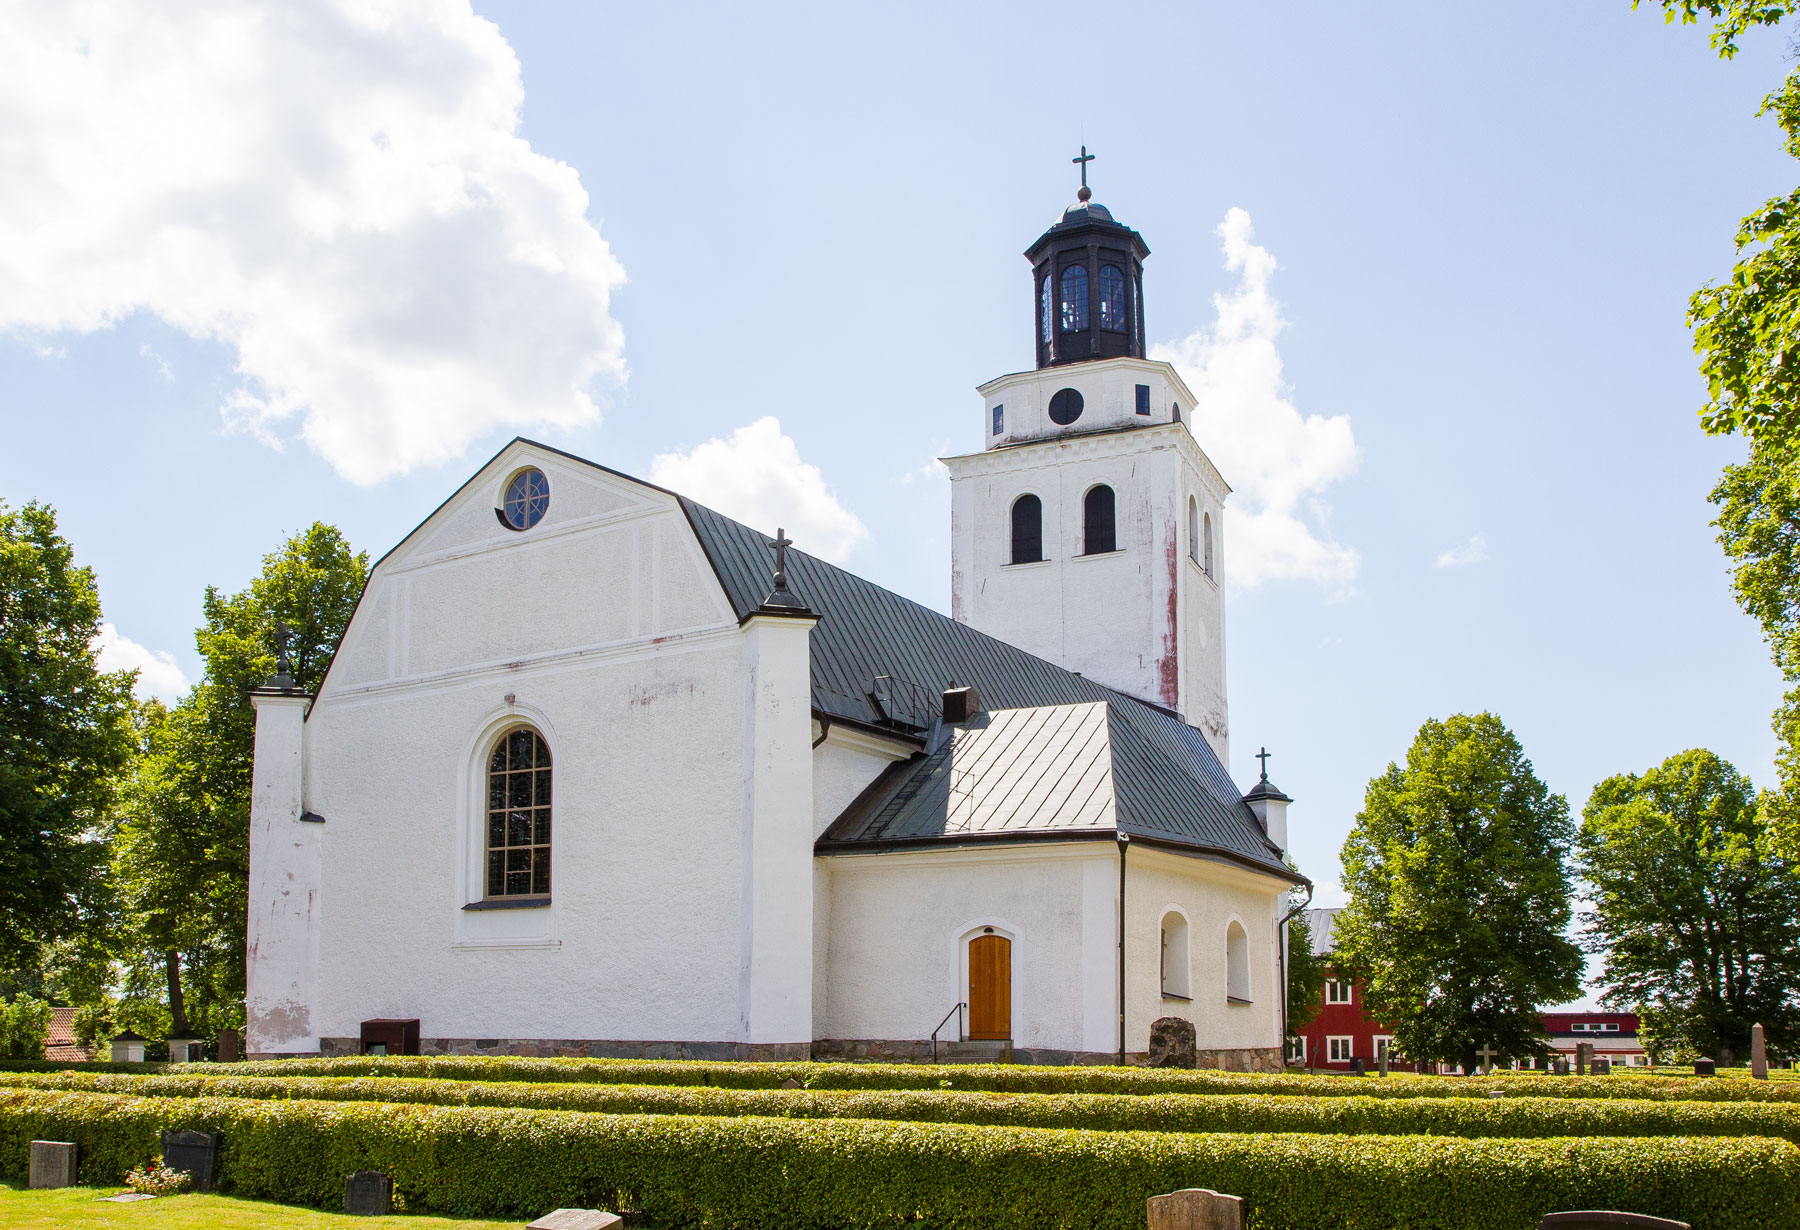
(128, 1047)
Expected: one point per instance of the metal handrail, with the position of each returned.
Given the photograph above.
(954, 1012)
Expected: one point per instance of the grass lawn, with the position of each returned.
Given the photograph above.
(80, 1208)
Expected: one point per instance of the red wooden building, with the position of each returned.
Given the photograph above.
(1342, 1032)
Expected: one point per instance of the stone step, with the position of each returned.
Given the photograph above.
(975, 1052)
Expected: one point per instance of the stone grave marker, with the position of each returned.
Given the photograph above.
(370, 1192)
(577, 1219)
(1560, 1067)
(1606, 1219)
(1584, 1058)
(1705, 1067)
(1196, 1208)
(1356, 1066)
(1602, 1067)
(1759, 1054)
(1172, 1043)
(1487, 1054)
(228, 1046)
(52, 1163)
(195, 1152)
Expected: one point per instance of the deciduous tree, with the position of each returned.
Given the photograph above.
(1459, 896)
(64, 736)
(1698, 918)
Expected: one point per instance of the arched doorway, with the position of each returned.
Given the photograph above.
(990, 988)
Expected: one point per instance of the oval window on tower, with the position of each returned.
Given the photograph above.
(1065, 407)
(527, 499)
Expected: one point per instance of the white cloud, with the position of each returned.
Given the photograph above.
(334, 188)
(757, 477)
(158, 674)
(162, 365)
(1471, 552)
(1277, 460)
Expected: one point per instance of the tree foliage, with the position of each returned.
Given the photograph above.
(1698, 918)
(1459, 896)
(64, 736)
(181, 851)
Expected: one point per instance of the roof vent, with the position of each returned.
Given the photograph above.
(960, 704)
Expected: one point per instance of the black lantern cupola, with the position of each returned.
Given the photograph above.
(1088, 284)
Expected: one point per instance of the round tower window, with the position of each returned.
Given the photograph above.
(527, 499)
(1065, 407)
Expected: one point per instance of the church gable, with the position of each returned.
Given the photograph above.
(604, 561)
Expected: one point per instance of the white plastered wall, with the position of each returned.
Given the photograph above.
(900, 922)
(604, 628)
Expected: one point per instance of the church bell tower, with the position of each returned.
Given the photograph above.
(1089, 530)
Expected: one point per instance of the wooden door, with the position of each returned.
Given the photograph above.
(990, 987)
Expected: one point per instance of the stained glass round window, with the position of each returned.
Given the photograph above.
(1065, 407)
(527, 499)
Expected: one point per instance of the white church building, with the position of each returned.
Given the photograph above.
(599, 771)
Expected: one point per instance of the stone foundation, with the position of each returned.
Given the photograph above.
(866, 1050)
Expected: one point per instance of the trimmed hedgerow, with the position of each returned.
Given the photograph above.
(1012, 1078)
(789, 1174)
(1467, 1117)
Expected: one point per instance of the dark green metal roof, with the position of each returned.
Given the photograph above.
(883, 660)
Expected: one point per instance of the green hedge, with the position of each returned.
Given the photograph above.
(1466, 1117)
(787, 1174)
(1013, 1078)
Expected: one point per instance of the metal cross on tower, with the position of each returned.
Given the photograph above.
(1263, 755)
(282, 633)
(1082, 162)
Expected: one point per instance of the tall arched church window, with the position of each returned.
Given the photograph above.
(1237, 964)
(1206, 543)
(1194, 529)
(1175, 960)
(1027, 530)
(1074, 299)
(1112, 299)
(518, 816)
(1045, 307)
(1098, 533)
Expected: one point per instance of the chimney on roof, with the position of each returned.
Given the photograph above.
(960, 704)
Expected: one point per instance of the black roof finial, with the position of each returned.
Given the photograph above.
(781, 599)
(1082, 162)
(283, 678)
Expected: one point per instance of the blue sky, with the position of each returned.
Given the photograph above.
(1484, 224)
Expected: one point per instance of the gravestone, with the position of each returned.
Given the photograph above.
(1759, 1054)
(52, 1163)
(1602, 1067)
(368, 1191)
(1172, 1043)
(194, 1152)
(1584, 1057)
(1196, 1208)
(1382, 1069)
(576, 1219)
(1356, 1066)
(228, 1046)
(1705, 1067)
(1604, 1219)
(1560, 1067)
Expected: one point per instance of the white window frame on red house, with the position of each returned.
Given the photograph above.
(1331, 1048)
(1375, 1046)
(1297, 1049)
(1339, 992)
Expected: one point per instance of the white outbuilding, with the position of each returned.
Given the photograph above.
(599, 771)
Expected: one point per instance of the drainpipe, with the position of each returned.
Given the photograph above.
(1124, 844)
(1281, 960)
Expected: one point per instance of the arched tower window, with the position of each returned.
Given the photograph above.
(1194, 529)
(1237, 963)
(1206, 542)
(1112, 299)
(1175, 960)
(1045, 308)
(518, 816)
(1074, 299)
(1027, 530)
(1098, 533)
